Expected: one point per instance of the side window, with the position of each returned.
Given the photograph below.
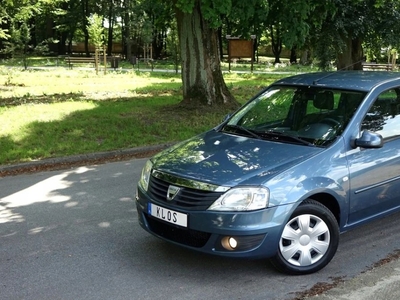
(384, 115)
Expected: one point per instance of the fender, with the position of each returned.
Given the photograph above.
(309, 187)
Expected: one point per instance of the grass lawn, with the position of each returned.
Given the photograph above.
(59, 112)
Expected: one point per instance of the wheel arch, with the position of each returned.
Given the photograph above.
(330, 202)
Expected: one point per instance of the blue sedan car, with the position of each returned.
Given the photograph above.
(309, 157)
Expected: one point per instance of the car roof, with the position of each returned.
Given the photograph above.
(351, 80)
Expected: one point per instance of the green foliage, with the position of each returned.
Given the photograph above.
(297, 18)
(18, 43)
(172, 45)
(3, 32)
(320, 26)
(247, 18)
(213, 10)
(376, 23)
(242, 16)
(185, 6)
(96, 30)
(327, 47)
(20, 37)
(384, 24)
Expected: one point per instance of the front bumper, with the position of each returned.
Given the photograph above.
(257, 232)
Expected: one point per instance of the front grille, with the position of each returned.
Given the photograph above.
(187, 198)
(185, 236)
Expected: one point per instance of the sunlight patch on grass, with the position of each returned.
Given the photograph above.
(67, 112)
(24, 83)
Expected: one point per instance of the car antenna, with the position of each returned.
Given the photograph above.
(315, 82)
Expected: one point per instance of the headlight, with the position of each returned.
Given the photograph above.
(242, 199)
(145, 178)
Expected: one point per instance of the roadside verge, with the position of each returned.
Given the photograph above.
(49, 164)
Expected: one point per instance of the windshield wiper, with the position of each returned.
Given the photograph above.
(280, 134)
(270, 135)
(244, 129)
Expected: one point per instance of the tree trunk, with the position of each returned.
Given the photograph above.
(351, 57)
(127, 39)
(255, 50)
(32, 29)
(61, 45)
(304, 59)
(110, 28)
(203, 83)
(293, 55)
(276, 43)
(85, 15)
(220, 44)
(158, 44)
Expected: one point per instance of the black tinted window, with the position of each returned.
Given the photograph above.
(317, 115)
(384, 115)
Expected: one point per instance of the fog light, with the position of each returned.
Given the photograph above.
(229, 243)
(232, 242)
(239, 243)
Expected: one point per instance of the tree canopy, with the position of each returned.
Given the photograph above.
(340, 33)
(354, 29)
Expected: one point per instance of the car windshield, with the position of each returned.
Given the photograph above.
(301, 115)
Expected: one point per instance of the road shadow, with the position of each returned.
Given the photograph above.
(79, 230)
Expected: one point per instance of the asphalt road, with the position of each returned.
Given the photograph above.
(73, 234)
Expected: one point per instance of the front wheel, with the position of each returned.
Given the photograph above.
(308, 241)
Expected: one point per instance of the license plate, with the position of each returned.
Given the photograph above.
(167, 215)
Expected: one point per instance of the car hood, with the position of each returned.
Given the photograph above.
(225, 159)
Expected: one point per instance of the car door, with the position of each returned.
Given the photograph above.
(375, 173)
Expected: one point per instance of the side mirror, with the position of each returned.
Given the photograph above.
(226, 118)
(219, 126)
(369, 139)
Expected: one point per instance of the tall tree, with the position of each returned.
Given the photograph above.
(198, 22)
(289, 22)
(160, 15)
(21, 21)
(128, 10)
(85, 14)
(111, 16)
(354, 23)
(137, 25)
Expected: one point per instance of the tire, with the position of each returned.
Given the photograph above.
(308, 241)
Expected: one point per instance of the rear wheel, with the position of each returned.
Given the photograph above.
(308, 241)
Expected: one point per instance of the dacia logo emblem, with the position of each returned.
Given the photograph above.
(172, 192)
